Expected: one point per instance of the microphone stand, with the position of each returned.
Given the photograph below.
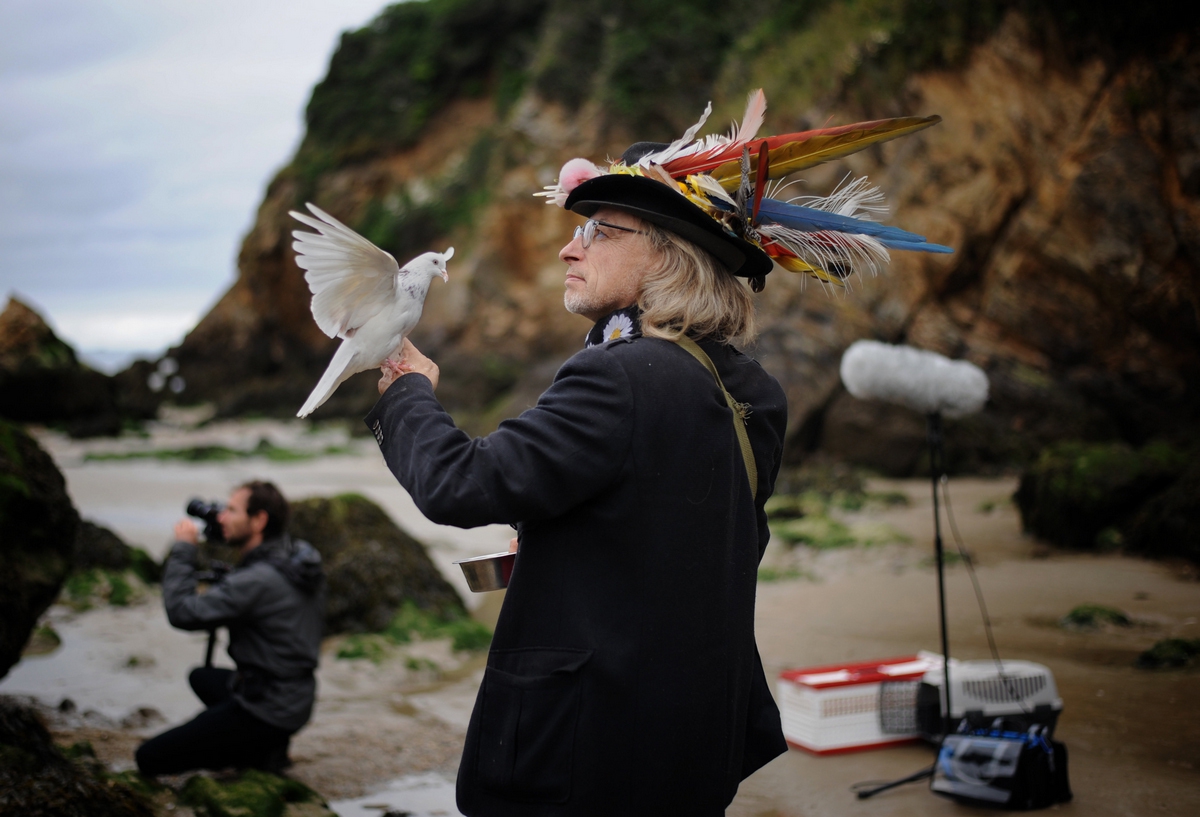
(212, 643)
(937, 468)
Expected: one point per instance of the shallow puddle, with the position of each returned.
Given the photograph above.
(418, 795)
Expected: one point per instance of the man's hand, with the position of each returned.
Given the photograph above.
(186, 531)
(411, 360)
(513, 545)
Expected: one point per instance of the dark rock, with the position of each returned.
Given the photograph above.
(97, 546)
(1169, 524)
(38, 529)
(42, 381)
(136, 399)
(38, 780)
(372, 565)
(1077, 490)
(855, 431)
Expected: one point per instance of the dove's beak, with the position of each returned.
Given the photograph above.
(445, 276)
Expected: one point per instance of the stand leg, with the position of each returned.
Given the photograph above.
(937, 467)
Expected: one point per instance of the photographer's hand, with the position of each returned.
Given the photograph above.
(186, 531)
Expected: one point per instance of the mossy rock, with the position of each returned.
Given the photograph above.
(252, 794)
(106, 570)
(1091, 616)
(38, 530)
(45, 640)
(1169, 523)
(85, 589)
(1171, 653)
(97, 546)
(821, 478)
(1075, 491)
(373, 567)
(39, 780)
(819, 532)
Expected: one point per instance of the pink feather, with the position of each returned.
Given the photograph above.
(576, 172)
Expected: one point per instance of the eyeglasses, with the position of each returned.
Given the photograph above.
(588, 230)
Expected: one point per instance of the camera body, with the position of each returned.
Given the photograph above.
(208, 511)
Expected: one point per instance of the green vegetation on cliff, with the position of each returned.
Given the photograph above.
(649, 64)
(388, 79)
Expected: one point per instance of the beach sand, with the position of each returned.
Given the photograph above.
(1133, 735)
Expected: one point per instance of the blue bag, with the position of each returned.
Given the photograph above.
(1002, 768)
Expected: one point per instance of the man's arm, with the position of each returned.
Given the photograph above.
(570, 446)
(224, 602)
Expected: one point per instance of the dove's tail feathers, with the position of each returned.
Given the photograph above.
(337, 372)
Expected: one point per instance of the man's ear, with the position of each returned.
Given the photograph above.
(258, 522)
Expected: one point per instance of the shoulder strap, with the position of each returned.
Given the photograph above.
(740, 410)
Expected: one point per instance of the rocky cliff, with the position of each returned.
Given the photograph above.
(1066, 175)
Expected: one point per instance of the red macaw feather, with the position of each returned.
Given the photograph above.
(795, 151)
(760, 183)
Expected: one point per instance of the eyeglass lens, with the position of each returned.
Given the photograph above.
(588, 231)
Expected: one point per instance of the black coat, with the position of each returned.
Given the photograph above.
(623, 677)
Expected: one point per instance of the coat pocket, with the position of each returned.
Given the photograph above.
(528, 711)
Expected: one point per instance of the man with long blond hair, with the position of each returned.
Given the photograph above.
(623, 678)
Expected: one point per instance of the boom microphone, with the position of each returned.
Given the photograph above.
(925, 381)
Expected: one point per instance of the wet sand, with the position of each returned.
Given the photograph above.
(1133, 736)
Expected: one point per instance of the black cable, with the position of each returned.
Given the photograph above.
(862, 791)
(983, 612)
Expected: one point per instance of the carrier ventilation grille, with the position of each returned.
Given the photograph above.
(1000, 690)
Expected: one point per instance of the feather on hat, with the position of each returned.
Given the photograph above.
(717, 191)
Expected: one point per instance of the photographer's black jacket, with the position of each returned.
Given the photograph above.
(274, 606)
(623, 678)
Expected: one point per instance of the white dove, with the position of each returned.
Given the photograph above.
(361, 295)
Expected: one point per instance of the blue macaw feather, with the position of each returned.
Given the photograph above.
(811, 220)
(921, 246)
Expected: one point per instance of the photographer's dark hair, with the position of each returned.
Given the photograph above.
(264, 496)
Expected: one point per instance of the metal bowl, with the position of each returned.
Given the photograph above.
(490, 572)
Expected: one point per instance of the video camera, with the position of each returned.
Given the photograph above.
(208, 511)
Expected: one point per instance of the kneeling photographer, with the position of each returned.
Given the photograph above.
(273, 603)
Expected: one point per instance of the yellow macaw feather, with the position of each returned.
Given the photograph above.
(793, 156)
(794, 264)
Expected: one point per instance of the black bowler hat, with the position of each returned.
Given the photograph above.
(658, 204)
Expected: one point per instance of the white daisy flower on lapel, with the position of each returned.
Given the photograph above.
(618, 326)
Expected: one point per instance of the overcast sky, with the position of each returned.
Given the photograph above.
(136, 139)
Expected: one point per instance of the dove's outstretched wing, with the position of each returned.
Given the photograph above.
(351, 279)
